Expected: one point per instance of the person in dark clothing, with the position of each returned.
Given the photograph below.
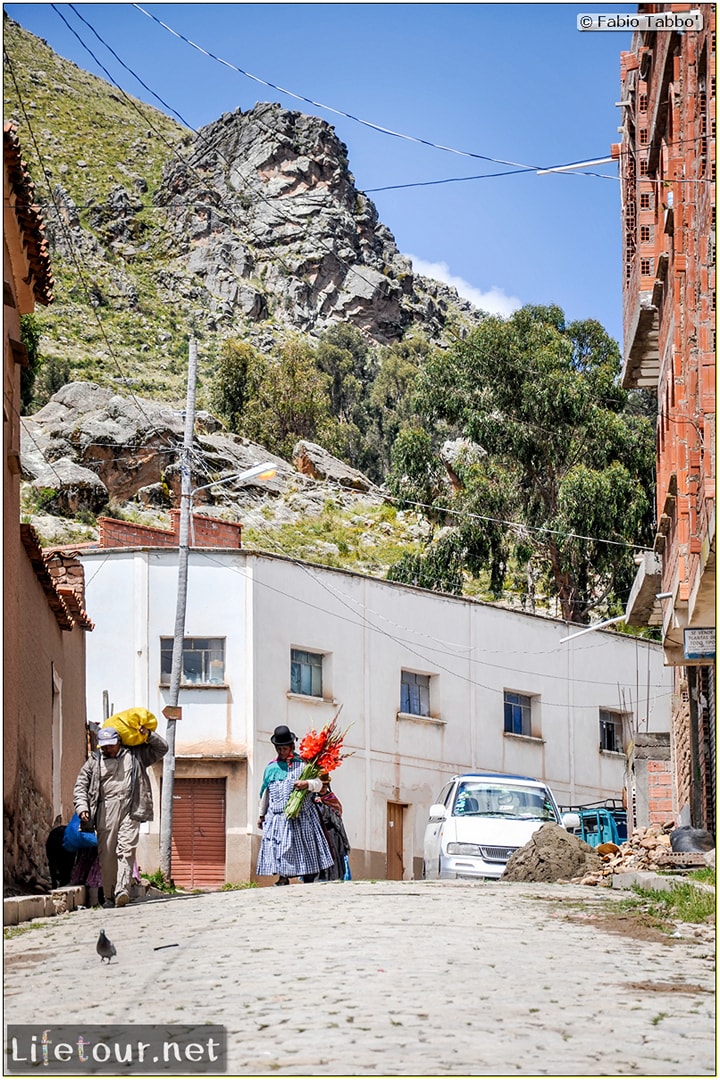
(329, 808)
(60, 861)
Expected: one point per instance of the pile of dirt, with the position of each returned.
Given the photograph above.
(552, 854)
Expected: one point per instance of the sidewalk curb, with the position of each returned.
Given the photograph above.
(648, 879)
(20, 909)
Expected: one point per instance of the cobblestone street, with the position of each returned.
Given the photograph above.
(386, 978)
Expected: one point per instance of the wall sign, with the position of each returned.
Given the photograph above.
(699, 643)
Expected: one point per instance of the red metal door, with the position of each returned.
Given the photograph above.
(198, 834)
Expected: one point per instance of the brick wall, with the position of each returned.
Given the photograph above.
(115, 534)
(660, 792)
(204, 532)
(651, 779)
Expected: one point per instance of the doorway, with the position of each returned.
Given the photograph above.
(395, 841)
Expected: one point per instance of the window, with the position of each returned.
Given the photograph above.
(203, 661)
(444, 795)
(611, 724)
(517, 714)
(646, 267)
(414, 694)
(642, 102)
(306, 673)
(645, 203)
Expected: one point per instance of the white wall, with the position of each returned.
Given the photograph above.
(368, 631)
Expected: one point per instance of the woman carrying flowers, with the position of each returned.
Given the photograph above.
(290, 846)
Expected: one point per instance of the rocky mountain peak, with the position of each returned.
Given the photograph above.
(265, 210)
(250, 228)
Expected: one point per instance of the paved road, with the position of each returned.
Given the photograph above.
(385, 978)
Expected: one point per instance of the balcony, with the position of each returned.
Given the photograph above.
(643, 608)
(641, 362)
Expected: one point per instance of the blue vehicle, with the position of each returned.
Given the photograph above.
(600, 823)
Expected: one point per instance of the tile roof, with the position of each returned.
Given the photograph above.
(28, 215)
(51, 570)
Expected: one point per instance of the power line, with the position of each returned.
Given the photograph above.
(350, 116)
(257, 191)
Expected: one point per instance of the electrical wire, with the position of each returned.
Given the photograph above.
(361, 622)
(350, 116)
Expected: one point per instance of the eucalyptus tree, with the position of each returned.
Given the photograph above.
(562, 484)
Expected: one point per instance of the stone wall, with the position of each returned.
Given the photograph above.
(27, 822)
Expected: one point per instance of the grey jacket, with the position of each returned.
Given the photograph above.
(86, 793)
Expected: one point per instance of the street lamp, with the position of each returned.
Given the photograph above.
(595, 626)
(265, 471)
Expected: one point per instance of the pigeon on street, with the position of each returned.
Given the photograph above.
(105, 947)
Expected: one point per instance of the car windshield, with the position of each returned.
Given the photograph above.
(508, 800)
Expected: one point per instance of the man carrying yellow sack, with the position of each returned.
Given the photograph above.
(113, 795)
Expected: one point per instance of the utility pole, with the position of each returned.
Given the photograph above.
(172, 711)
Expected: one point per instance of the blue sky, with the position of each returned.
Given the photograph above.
(516, 82)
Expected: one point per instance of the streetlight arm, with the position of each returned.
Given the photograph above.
(595, 626)
(265, 471)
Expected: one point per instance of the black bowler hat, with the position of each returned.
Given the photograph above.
(283, 736)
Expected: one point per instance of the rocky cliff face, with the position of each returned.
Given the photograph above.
(251, 227)
(264, 210)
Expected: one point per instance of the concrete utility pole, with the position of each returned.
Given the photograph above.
(172, 712)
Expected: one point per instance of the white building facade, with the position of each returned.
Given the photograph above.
(429, 685)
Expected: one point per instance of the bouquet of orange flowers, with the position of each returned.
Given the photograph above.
(322, 752)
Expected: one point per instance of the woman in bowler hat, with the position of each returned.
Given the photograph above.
(293, 847)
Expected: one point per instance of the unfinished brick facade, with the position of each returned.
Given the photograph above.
(667, 170)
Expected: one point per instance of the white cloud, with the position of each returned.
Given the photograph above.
(495, 301)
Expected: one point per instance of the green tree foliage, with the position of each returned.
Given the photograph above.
(564, 457)
(236, 381)
(441, 569)
(390, 401)
(415, 477)
(289, 399)
(30, 337)
(344, 356)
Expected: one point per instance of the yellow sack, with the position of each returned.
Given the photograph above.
(127, 722)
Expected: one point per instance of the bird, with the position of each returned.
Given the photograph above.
(105, 947)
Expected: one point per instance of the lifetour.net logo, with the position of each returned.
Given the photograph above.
(116, 1049)
(658, 20)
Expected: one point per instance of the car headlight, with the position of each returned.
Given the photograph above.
(464, 849)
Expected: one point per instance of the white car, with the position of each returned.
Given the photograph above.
(480, 819)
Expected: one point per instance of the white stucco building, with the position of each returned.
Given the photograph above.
(429, 685)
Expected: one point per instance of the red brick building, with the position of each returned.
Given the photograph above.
(667, 170)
